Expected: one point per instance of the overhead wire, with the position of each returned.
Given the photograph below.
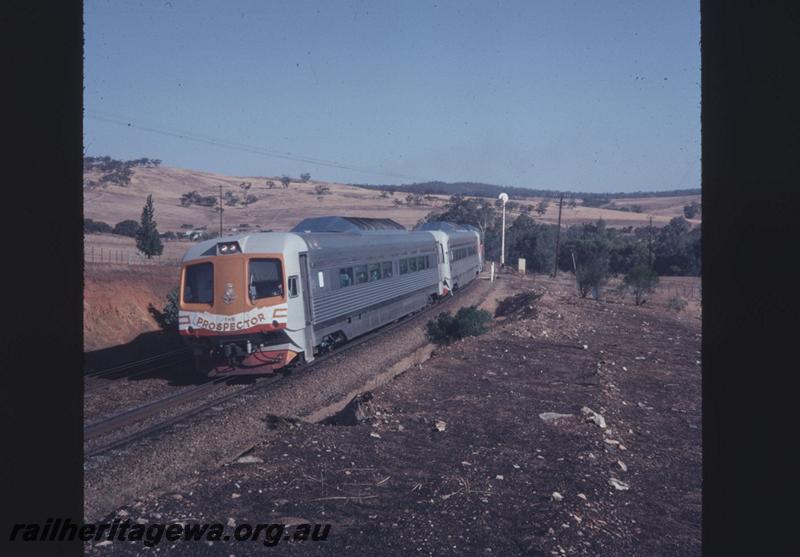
(201, 138)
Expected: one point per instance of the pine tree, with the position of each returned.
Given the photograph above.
(147, 240)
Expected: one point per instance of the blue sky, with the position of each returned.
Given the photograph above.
(582, 96)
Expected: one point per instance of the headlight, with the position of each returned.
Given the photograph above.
(229, 247)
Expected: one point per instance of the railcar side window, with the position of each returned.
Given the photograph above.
(293, 286)
(345, 277)
(420, 262)
(461, 253)
(361, 274)
(265, 278)
(387, 269)
(198, 285)
(412, 264)
(374, 272)
(403, 266)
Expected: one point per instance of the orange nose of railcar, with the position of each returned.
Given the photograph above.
(238, 295)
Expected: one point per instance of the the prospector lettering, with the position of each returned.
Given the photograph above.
(235, 326)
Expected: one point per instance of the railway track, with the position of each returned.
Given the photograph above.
(135, 368)
(104, 427)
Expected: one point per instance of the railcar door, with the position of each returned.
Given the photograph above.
(445, 281)
(306, 294)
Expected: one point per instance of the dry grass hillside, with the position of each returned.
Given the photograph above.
(277, 209)
(281, 208)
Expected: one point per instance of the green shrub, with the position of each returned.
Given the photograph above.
(592, 273)
(468, 322)
(127, 228)
(691, 210)
(677, 303)
(167, 318)
(641, 280)
(96, 226)
(170, 311)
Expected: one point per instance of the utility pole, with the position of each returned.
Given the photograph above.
(650, 242)
(504, 198)
(220, 210)
(558, 234)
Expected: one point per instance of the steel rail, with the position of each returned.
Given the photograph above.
(136, 363)
(134, 415)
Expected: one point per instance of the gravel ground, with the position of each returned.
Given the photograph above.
(572, 428)
(215, 438)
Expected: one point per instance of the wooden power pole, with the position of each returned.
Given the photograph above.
(558, 234)
(220, 210)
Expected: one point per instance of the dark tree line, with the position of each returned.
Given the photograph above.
(598, 250)
(194, 198)
(492, 191)
(107, 164)
(115, 171)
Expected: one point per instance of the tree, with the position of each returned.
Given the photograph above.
(96, 226)
(231, 199)
(595, 200)
(691, 210)
(641, 279)
(460, 210)
(414, 199)
(305, 177)
(532, 241)
(194, 198)
(270, 184)
(285, 180)
(592, 273)
(127, 227)
(147, 239)
(120, 176)
(319, 189)
(677, 249)
(541, 208)
(592, 259)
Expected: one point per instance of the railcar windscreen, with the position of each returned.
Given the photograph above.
(198, 285)
(266, 278)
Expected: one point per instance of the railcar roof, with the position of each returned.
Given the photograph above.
(355, 225)
(249, 242)
(446, 226)
(376, 240)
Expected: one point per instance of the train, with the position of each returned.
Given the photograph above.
(253, 303)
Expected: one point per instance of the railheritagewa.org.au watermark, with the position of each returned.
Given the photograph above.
(152, 534)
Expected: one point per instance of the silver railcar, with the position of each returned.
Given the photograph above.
(254, 302)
